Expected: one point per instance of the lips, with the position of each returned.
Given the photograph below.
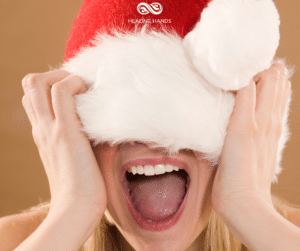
(156, 202)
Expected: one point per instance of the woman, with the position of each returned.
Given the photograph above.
(78, 204)
(170, 211)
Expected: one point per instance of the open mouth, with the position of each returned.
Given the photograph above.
(156, 192)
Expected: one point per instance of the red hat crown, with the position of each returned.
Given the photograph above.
(122, 15)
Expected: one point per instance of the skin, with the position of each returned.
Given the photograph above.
(89, 178)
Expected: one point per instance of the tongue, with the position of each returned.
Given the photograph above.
(158, 197)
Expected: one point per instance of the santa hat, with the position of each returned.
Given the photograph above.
(162, 71)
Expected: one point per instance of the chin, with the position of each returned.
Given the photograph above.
(174, 239)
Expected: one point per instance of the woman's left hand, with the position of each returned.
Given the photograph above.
(249, 156)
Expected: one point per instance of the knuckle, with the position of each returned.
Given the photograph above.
(82, 85)
(31, 81)
(59, 88)
(34, 133)
(76, 77)
(36, 137)
(25, 79)
(40, 136)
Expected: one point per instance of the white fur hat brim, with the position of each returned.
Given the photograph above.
(157, 87)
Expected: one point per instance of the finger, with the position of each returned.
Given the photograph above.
(281, 93)
(37, 88)
(266, 93)
(63, 100)
(51, 76)
(287, 94)
(28, 109)
(243, 114)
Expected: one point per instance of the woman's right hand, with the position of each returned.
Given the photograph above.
(69, 162)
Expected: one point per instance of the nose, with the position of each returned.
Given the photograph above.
(151, 145)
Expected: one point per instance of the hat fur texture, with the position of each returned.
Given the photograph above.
(156, 86)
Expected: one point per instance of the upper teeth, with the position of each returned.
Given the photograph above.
(150, 170)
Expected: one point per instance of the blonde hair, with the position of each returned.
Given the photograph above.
(217, 236)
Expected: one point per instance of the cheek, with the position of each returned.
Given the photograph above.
(105, 156)
(206, 175)
(208, 171)
(108, 160)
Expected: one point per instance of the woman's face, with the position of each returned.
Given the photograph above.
(156, 212)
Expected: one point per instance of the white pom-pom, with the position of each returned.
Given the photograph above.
(233, 41)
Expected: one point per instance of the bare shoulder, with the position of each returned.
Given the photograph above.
(288, 210)
(14, 229)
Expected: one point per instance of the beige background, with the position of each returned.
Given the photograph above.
(32, 38)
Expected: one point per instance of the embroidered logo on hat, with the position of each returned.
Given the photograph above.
(154, 8)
